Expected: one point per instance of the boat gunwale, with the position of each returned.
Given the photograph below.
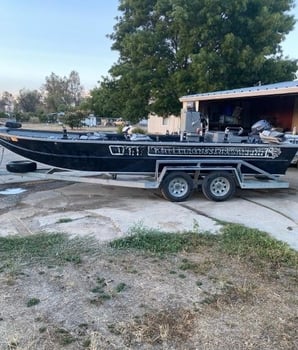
(6, 134)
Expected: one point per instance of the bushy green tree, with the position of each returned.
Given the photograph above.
(170, 48)
(73, 119)
(105, 101)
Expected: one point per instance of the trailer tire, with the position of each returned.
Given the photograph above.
(13, 125)
(177, 186)
(219, 186)
(21, 166)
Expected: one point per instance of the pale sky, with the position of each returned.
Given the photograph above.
(39, 37)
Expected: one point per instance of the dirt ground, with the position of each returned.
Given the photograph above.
(116, 299)
(125, 299)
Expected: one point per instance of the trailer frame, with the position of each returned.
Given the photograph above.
(175, 178)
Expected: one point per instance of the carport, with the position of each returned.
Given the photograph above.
(277, 103)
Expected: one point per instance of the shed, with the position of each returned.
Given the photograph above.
(277, 103)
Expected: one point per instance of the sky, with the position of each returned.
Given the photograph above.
(39, 37)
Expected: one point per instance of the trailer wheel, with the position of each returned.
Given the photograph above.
(13, 125)
(21, 166)
(219, 186)
(177, 186)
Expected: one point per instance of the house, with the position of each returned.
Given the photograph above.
(90, 121)
(277, 103)
(164, 125)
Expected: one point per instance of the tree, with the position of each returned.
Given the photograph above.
(62, 93)
(74, 88)
(108, 100)
(29, 100)
(170, 48)
(73, 119)
(55, 90)
(7, 102)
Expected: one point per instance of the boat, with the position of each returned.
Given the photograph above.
(139, 154)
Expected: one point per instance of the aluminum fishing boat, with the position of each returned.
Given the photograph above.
(117, 153)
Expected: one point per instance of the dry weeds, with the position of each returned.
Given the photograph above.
(119, 300)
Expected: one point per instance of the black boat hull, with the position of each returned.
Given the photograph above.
(114, 154)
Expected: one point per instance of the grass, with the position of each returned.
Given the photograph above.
(158, 327)
(43, 248)
(232, 295)
(256, 246)
(249, 245)
(197, 268)
(121, 287)
(32, 302)
(235, 240)
(158, 242)
(63, 337)
(64, 220)
(100, 292)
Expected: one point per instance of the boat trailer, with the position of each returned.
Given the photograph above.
(218, 179)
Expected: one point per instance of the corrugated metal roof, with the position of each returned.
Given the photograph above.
(286, 87)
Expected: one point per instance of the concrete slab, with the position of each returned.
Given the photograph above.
(272, 211)
(110, 212)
